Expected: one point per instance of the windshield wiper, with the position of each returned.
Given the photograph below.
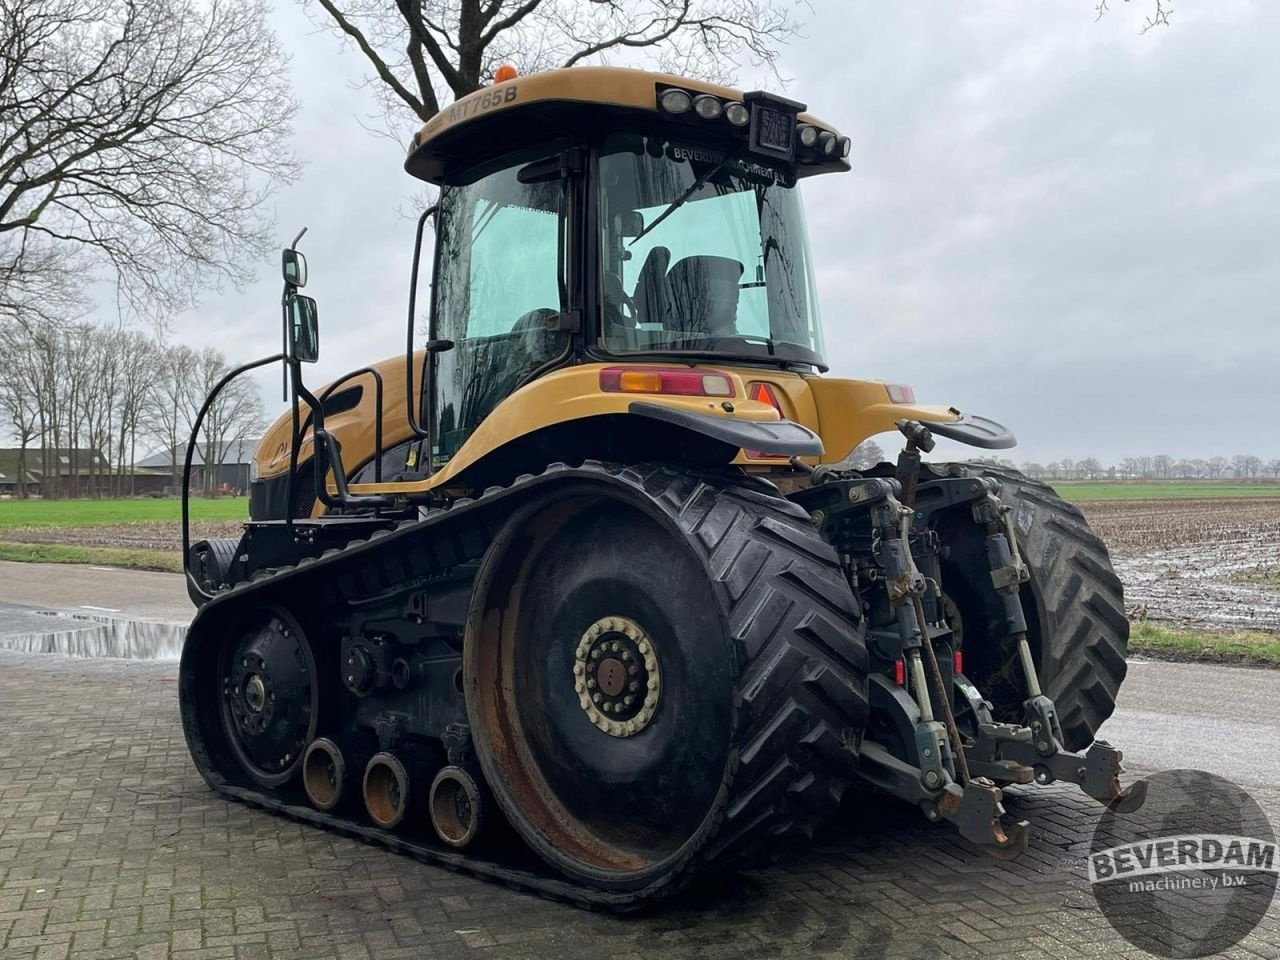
(694, 187)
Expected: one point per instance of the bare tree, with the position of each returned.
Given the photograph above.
(171, 406)
(1157, 14)
(426, 52)
(236, 411)
(19, 408)
(139, 358)
(142, 136)
(864, 456)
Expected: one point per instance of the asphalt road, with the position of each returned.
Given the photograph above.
(1222, 719)
(119, 593)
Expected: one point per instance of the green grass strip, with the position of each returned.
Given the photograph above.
(1181, 644)
(91, 513)
(162, 560)
(1080, 491)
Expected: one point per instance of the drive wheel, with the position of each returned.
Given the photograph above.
(1074, 604)
(270, 694)
(623, 724)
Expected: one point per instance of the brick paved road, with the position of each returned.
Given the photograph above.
(111, 846)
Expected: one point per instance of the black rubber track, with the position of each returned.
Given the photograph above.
(1074, 605)
(801, 695)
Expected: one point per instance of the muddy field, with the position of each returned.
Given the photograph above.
(1177, 559)
(146, 535)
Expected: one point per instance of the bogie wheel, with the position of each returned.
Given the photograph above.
(662, 673)
(270, 690)
(1074, 604)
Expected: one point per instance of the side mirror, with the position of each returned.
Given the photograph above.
(304, 332)
(294, 268)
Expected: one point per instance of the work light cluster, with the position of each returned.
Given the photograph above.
(709, 107)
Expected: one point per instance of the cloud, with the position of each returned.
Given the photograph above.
(1051, 221)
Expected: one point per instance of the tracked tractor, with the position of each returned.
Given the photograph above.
(581, 593)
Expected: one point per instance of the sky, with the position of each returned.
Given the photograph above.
(1059, 223)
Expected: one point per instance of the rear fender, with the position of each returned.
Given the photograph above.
(851, 411)
(572, 395)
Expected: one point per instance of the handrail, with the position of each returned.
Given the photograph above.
(377, 423)
(418, 430)
(186, 466)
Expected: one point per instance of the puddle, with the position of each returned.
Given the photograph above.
(76, 634)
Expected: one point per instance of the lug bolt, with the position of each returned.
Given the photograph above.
(931, 777)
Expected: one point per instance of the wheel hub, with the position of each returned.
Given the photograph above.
(268, 692)
(617, 677)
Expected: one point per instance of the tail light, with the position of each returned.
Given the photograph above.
(900, 393)
(959, 662)
(900, 673)
(678, 381)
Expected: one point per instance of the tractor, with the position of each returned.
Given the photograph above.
(583, 593)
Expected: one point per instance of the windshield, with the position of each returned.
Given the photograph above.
(726, 271)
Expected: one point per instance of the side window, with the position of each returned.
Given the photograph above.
(513, 266)
(496, 285)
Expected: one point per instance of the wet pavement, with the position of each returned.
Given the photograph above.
(89, 611)
(127, 594)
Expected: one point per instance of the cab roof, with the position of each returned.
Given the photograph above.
(545, 106)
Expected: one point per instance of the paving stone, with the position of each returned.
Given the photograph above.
(111, 846)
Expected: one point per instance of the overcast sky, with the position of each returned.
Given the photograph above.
(1051, 221)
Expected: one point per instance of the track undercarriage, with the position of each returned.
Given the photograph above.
(637, 674)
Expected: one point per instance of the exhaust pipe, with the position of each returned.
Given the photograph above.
(387, 790)
(456, 806)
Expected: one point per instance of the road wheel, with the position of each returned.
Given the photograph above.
(661, 675)
(1074, 605)
(270, 695)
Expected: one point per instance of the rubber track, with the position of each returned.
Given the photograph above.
(801, 694)
(1085, 635)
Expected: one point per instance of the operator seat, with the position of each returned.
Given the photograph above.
(704, 295)
(652, 296)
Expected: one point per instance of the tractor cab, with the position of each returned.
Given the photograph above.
(666, 226)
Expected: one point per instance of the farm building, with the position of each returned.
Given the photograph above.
(15, 481)
(78, 472)
(230, 470)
